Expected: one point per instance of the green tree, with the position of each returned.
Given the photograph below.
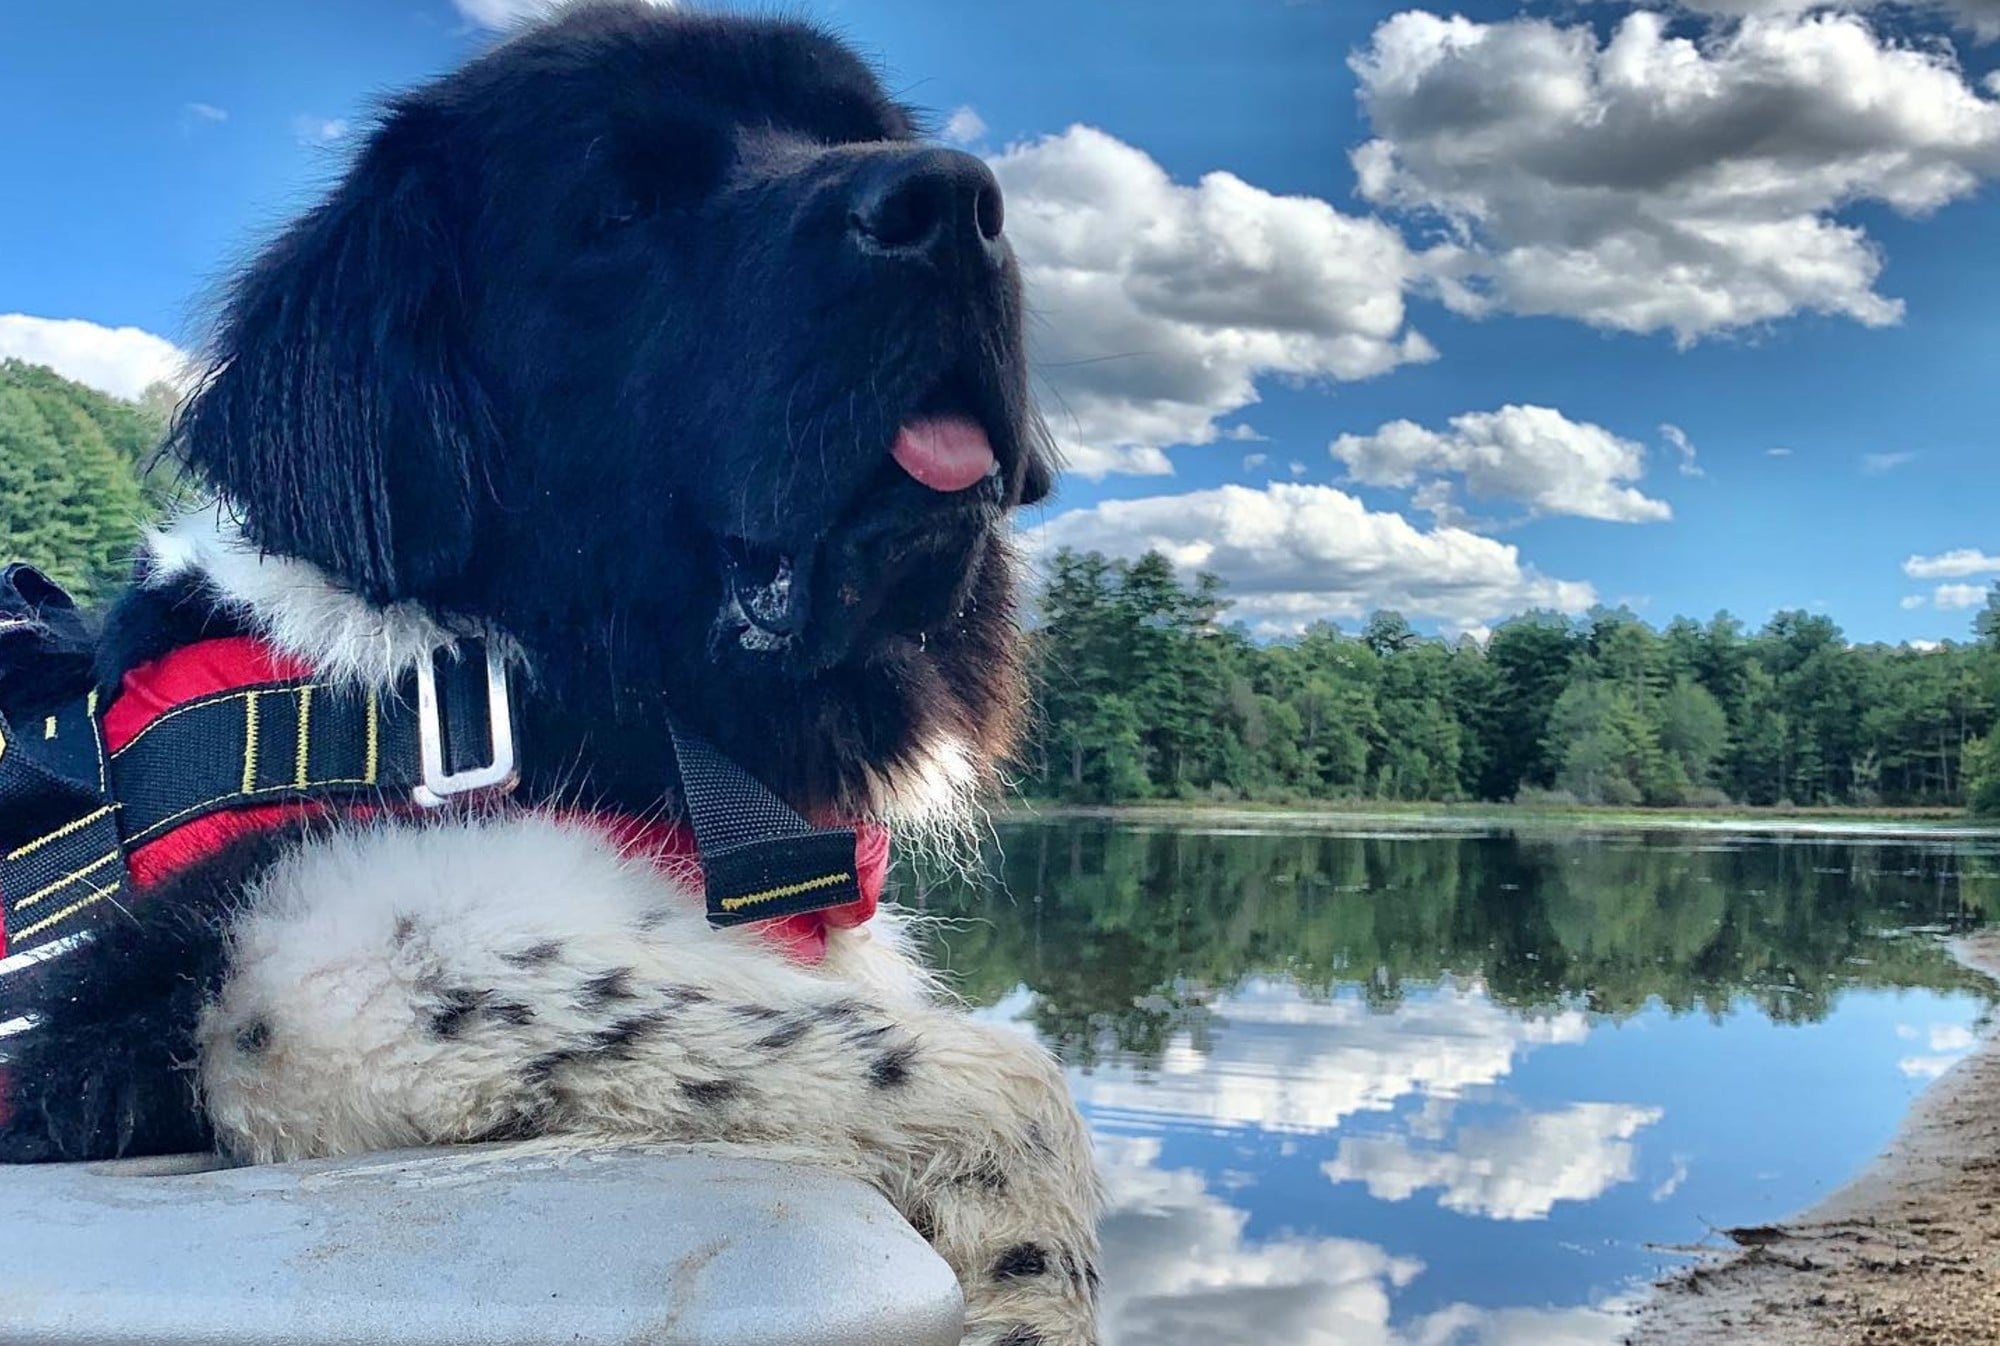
(70, 459)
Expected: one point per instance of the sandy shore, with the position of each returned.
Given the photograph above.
(1908, 1255)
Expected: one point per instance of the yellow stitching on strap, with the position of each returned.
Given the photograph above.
(305, 737)
(220, 699)
(145, 834)
(61, 832)
(48, 728)
(374, 740)
(65, 881)
(70, 910)
(96, 739)
(789, 890)
(249, 743)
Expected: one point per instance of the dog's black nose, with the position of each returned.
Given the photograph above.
(926, 205)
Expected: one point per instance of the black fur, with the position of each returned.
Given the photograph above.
(617, 320)
(593, 321)
(1021, 1261)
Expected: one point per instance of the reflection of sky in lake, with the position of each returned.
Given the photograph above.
(1453, 1172)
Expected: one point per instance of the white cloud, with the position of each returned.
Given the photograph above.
(1979, 17)
(122, 361)
(1180, 1269)
(1926, 1067)
(1881, 464)
(310, 130)
(1159, 306)
(1958, 597)
(1535, 455)
(1295, 553)
(1926, 646)
(965, 127)
(1777, 453)
(1674, 1181)
(1253, 461)
(507, 13)
(1952, 1038)
(207, 112)
(1280, 1062)
(1516, 1171)
(1950, 565)
(1653, 182)
(1682, 445)
(1911, 602)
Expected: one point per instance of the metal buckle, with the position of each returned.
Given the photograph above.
(500, 775)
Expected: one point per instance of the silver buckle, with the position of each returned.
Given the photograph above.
(500, 775)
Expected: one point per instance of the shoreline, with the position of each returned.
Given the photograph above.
(1907, 1253)
(1916, 824)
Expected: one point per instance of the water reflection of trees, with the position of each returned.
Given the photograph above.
(1127, 934)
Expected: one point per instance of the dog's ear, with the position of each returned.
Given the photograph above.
(342, 417)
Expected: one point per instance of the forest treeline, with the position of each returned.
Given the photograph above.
(72, 473)
(1144, 690)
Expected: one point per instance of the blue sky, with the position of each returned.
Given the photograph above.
(1354, 303)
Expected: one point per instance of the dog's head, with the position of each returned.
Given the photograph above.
(662, 342)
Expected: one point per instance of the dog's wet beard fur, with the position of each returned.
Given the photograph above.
(583, 346)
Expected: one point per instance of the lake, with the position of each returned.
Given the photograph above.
(1394, 1088)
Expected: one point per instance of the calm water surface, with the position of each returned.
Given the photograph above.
(1454, 1090)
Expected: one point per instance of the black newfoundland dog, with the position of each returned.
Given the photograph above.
(656, 356)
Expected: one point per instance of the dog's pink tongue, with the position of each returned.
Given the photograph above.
(945, 453)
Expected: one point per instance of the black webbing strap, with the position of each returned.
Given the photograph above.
(759, 859)
(60, 850)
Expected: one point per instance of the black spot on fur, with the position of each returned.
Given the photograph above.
(891, 1069)
(539, 1120)
(760, 1012)
(1081, 1271)
(680, 997)
(1021, 1261)
(923, 1219)
(618, 1038)
(606, 987)
(862, 1039)
(710, 1093)
(541, 1069)
(785, 1035)
(1022, 1335)
(406, 928)
(460, 1006)
(254, 1037)
(986, 1175)
(535, 955)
